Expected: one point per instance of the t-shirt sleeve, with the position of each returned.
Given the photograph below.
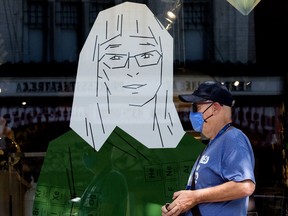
(238, 159)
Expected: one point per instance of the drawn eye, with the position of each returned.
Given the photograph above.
(146, 55)
(148, 58)
(116, 57)
(113, 60)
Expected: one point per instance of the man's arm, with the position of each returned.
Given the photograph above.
(186, 199)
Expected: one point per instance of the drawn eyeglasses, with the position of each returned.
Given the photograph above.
(115, 61)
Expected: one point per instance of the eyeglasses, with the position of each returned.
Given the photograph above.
(116, 61)
(195, 106)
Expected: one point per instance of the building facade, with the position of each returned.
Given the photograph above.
(54, 31)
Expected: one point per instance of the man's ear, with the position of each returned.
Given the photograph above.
(217, 107)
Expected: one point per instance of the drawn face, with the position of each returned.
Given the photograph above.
(125, 79)
(131, 68)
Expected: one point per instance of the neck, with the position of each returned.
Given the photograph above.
(218, 128)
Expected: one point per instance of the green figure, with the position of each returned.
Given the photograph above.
(107, 193)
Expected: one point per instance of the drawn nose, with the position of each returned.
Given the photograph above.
(133, 67)
(133, 62)
(132, 72)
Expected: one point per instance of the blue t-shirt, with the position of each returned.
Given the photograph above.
(228, 157)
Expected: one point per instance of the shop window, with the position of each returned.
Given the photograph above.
(196, 14)
(35, 14)
(67, 14)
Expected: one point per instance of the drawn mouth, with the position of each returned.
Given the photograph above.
(134, 86)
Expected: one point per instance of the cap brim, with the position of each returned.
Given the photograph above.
(191, 98)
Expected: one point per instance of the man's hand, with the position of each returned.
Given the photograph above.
(183, 201)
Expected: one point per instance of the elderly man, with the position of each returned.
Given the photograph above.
(222, 178)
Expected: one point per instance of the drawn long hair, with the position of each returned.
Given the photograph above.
(100, 106)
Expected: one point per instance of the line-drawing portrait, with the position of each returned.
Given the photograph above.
(125, 79)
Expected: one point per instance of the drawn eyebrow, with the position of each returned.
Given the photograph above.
(111, 46)
(147, 44)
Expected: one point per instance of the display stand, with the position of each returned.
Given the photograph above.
(11, 194)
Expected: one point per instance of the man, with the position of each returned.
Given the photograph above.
(222, 178)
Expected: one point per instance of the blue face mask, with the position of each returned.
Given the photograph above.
(197, 121)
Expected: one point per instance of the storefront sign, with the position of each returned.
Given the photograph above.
(37, 87)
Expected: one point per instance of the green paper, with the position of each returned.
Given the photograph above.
(123, 178)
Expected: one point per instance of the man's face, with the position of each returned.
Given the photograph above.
(131, 68)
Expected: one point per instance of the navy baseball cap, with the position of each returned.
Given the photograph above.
(212, 91)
